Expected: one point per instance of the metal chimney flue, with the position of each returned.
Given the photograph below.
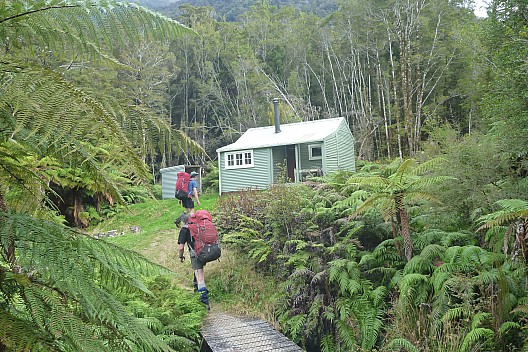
(276, 114)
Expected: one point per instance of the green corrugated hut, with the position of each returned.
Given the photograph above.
(257, 159)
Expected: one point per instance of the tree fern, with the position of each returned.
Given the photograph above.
(512, 210)
(87, 279)
(402, 184)
(65, 284)
(47, 114)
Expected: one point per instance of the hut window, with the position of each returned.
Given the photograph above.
(316, 151)
(239, 159)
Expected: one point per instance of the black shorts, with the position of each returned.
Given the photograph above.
(196, 263)
(188, 203)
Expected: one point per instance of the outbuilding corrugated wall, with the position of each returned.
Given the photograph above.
(168, 180)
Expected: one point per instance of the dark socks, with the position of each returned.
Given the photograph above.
(204, 296)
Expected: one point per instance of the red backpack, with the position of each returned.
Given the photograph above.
(182, 185)
(205, 235)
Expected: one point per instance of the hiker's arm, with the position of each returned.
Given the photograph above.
(181, 248)
(196, 195)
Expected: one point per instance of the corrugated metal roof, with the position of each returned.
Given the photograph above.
(176, 168)
(292, 133)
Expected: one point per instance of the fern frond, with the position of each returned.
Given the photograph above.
(419, 265)
(413, 289)
(459, 239)
(480, 318)
(487, 277)
(403, 168)
(378, 295)
(48, 109)
(433, 251)
(346, 336)
(241, 237)
(260, 250)
(474, 336)
(152, 323)
(429, 165)
(21, 335)
(512, 210)
(426, 182)
(327, 343)
(456, 313)
(295, 326)
(401, 343)
(83, 27)
(507, 326)
(319, 279)
(179, 343)
(370, 181)
(84, 270)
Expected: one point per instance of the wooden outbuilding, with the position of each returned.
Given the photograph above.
(170, 174)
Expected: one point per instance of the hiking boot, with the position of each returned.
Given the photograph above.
(178, 220)
(204, 296)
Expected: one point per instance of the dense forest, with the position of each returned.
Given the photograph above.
(422, 249)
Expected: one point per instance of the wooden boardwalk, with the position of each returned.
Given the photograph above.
(223, 332)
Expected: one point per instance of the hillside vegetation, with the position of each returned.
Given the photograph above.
(231, 10)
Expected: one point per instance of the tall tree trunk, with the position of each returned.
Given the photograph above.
(404, 227)
(395, 97)
(9, 243)
(383, 107)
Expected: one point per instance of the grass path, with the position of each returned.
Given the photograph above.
(234, 286)
(158, 238)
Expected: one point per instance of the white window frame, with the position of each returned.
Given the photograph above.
(311, 147)
(239, 159)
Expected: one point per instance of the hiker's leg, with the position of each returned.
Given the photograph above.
(189, 205)
(200, 280)
(178, 220)
(195, 283)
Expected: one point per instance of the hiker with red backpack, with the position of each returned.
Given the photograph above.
(201, 237)
(193, 193)
(186, 190)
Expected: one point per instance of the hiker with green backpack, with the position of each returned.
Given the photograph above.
(201, 237)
